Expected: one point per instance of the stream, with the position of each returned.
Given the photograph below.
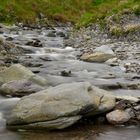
(49, 59)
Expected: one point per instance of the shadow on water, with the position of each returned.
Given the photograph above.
(77, 132)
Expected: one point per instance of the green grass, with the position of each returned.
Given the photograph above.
(79, 12)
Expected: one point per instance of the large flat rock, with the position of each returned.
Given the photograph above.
(67, 102)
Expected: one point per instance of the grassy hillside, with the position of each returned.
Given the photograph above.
(80, 12)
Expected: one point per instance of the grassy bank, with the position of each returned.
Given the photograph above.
(80, 12)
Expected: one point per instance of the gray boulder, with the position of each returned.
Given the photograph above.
(131, 99)
(100, 54)
(99, 57)
(60, 34)
(19, 72)
(59, 107)
(52, 34)
(138, 117)
(104, 49)
(20, 88)
(118, 117)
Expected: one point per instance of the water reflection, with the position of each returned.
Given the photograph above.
(78, 132)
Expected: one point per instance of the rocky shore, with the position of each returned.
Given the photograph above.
(69, 75)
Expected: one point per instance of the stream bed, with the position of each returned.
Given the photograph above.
(50, 57)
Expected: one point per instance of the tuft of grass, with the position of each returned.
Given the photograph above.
(124, 30)
(85, 19)
(116, 30)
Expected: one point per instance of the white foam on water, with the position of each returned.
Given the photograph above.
(1, 116)
(7, 104)
(40, 52)
(69, 48)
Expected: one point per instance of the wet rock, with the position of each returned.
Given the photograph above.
(135, 77)
(28, 50)
(20, 88)
(113, 62)
(19, 72)
(129, 99)
(104, 49)
(2, 63)
(52, 34)
(34, 43)
(118, 117)
(96, 57)
(130, 84)
(9, 39)
(137, 107)
(65, 73)
(32, 64)
(1, 32)
(30, 43)
(59, 107)
(59, 123)
(138, 117)
(121, 105)
(60, 34)
(45, 58)
(131, 112)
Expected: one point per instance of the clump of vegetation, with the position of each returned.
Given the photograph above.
(124, 30)
(79, 12)
(136, 9)
(131, 28)
(116, 30)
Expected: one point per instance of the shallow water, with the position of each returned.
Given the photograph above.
(77, 132)
(127, 92)
(64, 58)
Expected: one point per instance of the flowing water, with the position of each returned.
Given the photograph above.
(53, 58)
